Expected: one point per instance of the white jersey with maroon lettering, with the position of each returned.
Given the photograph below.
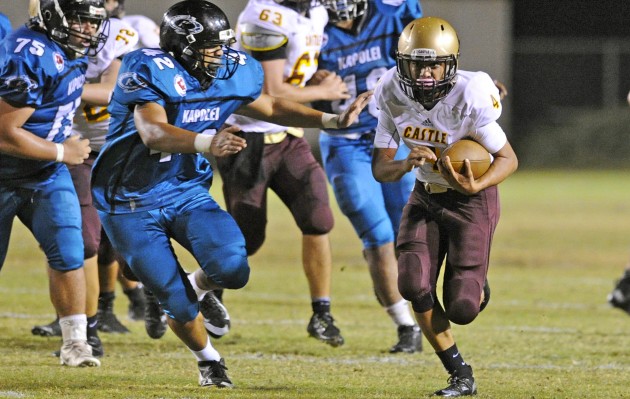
(92, 121)
(303, 36)
(470, 110)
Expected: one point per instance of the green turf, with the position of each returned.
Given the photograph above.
(547, 332)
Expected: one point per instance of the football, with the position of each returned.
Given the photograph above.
(478, 156)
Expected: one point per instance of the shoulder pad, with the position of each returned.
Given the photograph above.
(257, 38)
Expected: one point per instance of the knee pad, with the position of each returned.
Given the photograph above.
(461, 300)
(320, 222)
(414, 282)
(233, 270)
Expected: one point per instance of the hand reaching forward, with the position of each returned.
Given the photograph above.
(227, 143)
(350, 115)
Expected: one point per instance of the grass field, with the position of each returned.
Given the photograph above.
(547, 332)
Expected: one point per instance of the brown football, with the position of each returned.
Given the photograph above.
(478, 156)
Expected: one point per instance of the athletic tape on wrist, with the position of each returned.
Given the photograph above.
(60, 151)
(330, 121)
(203, 142)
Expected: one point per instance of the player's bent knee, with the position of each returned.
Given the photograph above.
(67, 261)
(462, 311)
(412, 284)
(319, 222)
(233, 271)
(461, 300)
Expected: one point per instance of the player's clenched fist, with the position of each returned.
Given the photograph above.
(75, 150)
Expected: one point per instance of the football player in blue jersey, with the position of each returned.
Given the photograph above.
(5, 25)
(42, 72)
(360, 41)
(150, 181)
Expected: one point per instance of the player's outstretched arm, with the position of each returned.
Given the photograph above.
(290, 113)
(157, 134)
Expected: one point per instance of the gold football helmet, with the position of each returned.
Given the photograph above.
(424, 42)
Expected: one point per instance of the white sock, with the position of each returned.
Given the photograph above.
(73, 327)
(400, 313)
(193, 281)
(207, 353)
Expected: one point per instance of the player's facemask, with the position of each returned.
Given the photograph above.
(344, 10)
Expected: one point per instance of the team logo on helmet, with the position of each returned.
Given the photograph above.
(21, 83)
(130, 82)
(180, 85)
(185, 25)
(428, 54)
(58, 60)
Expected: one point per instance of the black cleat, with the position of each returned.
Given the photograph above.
(212, 373)
(137, 303)
(620, 295)
(52, 329)
(107, 320)
(216, 318)
(109, 323)
(409, 340)
(97, 346)
(322, 326)
(486, 296)
(458, 386)
(154, 316)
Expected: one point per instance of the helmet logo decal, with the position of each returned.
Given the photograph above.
(185, 25)
(180, 85)
(129, 82)
(423, 54)
(226, 35)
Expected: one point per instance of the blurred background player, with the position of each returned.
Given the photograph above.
(5, 25)
(361, 39)
(150, 182)
(92, 122)
(286, 36)
(428, 103)
(42, 72)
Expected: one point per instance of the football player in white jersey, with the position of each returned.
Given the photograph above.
(428, 103)
(286, 36)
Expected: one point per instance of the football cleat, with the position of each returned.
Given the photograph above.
(458, 386)
(52, 329)
(322, 327)
(409, 340)
(154, 316)
(213, 373)
(107, 320)
(216, 318)
(77, 353)
(137, 303)
(620, 295)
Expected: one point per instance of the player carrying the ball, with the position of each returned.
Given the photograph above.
(429, 104)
